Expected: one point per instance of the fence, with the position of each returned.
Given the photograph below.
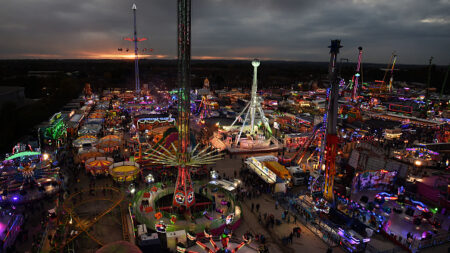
(150, 222)
(434, 241)
(315, 225)
(372, 249)
(331, 238)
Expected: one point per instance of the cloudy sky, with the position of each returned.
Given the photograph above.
(297, 30)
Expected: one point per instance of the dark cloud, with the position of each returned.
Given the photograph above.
(270, 29)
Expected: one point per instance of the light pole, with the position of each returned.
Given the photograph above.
(417, 164)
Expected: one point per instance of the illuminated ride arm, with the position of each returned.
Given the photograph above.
(204, 247)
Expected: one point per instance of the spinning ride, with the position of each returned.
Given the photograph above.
(184, 156)
(224, 239)
(109, 143)
(181, 199)
(27, 176)
(98, 165)
(252, 123)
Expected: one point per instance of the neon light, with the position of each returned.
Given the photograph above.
(420, 150)
(22, 154)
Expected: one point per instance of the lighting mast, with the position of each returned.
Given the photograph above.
(331, 132)
(358, 66)
(444, 83)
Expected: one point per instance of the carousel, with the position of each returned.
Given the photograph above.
(98, 165)
(109, 143)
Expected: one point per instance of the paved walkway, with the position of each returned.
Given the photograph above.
(308, 242)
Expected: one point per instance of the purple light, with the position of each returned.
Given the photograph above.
(15, 198)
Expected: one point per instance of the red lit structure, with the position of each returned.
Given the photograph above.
(331, 139)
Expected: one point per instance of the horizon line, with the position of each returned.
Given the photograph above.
(201, 58)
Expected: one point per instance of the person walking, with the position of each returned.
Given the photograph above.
(253, 205)
(257, 207)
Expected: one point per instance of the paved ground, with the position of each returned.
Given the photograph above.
(308, 242)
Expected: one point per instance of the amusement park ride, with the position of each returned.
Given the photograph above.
(386, 88)
(224, 239)
(255, 127)
(184, 156)
(204, 109)
(331, 140)
(325, 133)
(135, 39)
(252, 109)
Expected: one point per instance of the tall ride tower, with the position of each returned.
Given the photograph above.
(331, 132)
(183, 189)
(253, 107)
(135, 39)
(183, 156)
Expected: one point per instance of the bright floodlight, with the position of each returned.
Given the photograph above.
(418, 162)
(255, 63)
(149, 178)
(132, 189)
(214, 174)
(45, 156)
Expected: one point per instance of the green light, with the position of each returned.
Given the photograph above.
(22, 154)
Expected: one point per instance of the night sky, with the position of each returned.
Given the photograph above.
(297, 30)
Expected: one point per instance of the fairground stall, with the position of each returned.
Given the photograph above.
(87, 153)
(55, 134)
